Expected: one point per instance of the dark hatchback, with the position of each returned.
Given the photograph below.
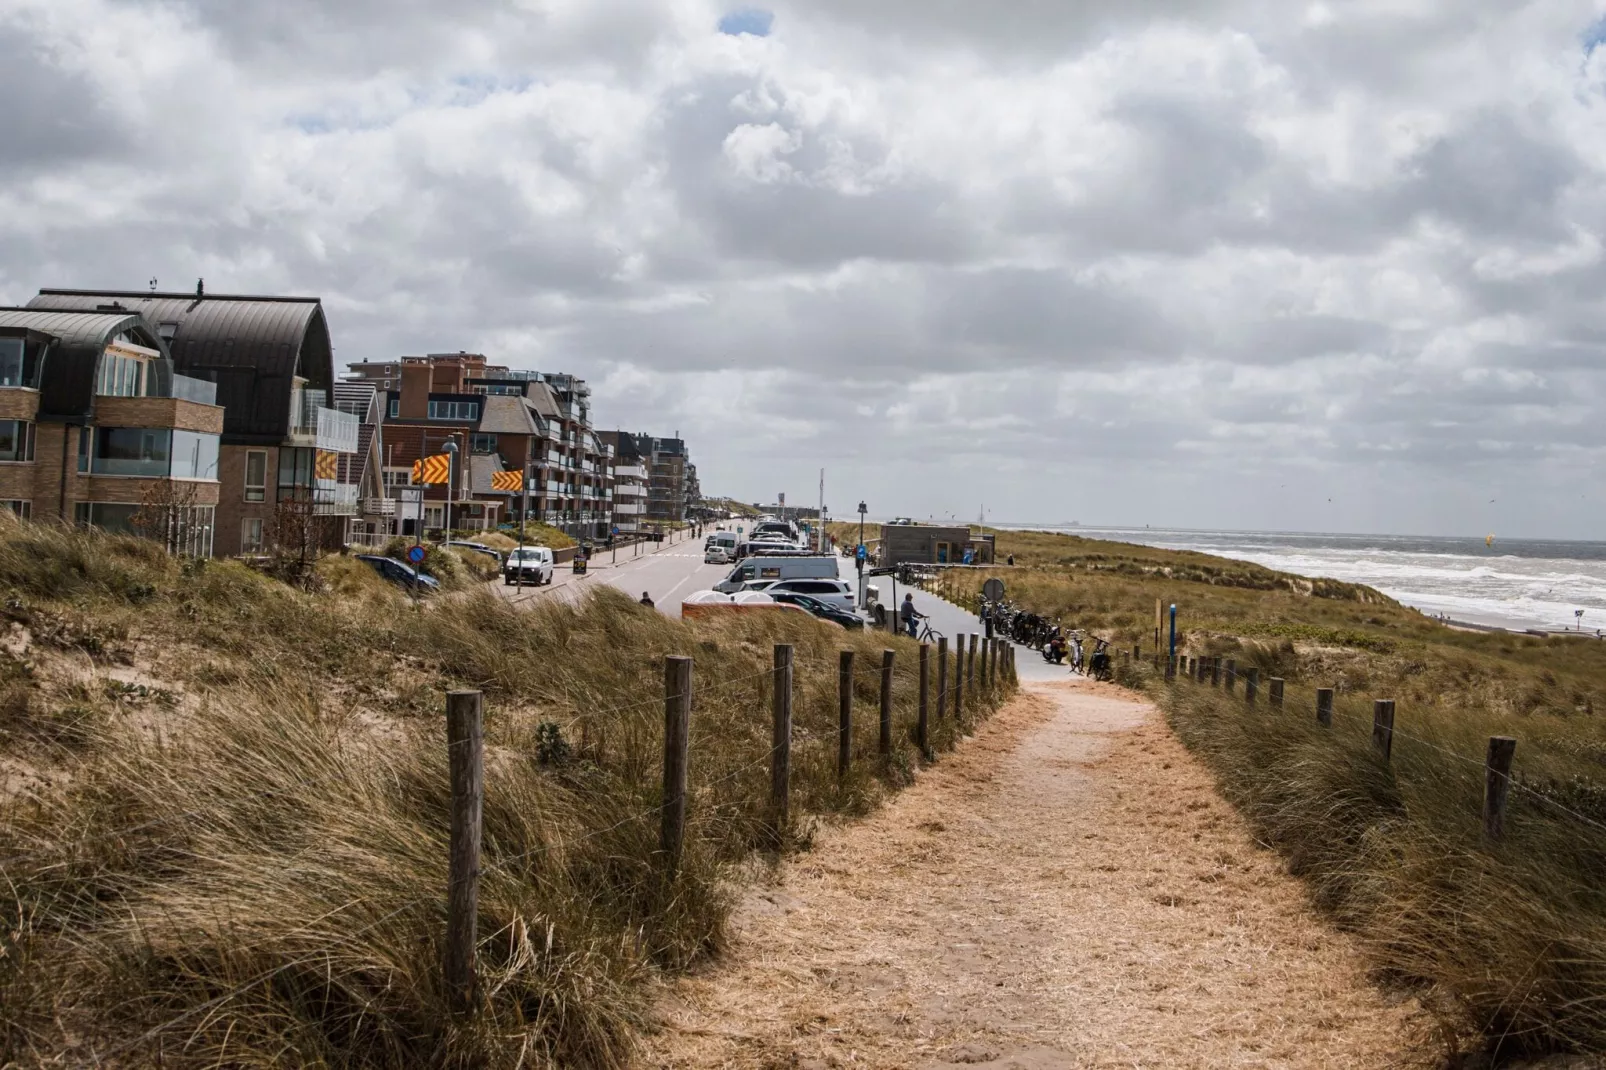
(399, 572)
(820, 609)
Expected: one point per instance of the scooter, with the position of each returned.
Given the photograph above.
(1054, 651)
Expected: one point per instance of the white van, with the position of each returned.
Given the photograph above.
(778, 568)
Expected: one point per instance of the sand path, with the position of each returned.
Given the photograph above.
(1068, 890)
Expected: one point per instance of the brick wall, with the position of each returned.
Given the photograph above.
(159, 412)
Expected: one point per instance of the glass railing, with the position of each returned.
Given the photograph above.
(199, 391)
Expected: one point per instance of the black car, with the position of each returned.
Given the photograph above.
(820, 609)
(400, 573)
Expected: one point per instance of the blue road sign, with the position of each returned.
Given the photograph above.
(861, 553)
(416, 555)
(616, 529)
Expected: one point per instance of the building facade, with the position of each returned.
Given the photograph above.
(271, 365)
(933, 544)
(671, 479)
(97, 429)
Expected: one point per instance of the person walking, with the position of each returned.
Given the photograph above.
(646, 599)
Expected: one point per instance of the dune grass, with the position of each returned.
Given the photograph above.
(1506, 941)
(240, 858)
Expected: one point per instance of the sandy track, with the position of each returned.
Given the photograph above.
(1066, 891)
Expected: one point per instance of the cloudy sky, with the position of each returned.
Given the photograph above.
(1260, 264)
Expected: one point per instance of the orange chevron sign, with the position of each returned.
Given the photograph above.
(326, 465)
(508, 481)
(432, 470)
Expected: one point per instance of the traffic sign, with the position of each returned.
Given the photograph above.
(993, 590)
(416, 555)
(861, 553)
(616, 529)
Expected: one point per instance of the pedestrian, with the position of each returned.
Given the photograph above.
(1011, 560)
(646, 599)
(1076, 653)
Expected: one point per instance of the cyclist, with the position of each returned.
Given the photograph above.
(910, 614)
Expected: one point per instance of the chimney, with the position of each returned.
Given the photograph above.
(415, 385)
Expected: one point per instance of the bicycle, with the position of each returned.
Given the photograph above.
(928, 634)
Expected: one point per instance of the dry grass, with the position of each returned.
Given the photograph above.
(244, 863)
(1511, 938)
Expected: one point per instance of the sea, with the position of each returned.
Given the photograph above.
(1504, 583)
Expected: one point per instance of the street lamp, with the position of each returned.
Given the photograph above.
(862, 510)
(451, 482)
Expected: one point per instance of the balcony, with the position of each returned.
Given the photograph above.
(379, 506)
(628, 509)
(313, 424)
(334, 499)
(199, 391)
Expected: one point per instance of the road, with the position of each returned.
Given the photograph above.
(671, 570)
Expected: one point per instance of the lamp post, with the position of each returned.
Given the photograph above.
(862, 510)
(451, 482)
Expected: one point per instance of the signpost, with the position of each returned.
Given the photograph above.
(416, 556)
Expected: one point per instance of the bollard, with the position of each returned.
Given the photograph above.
(1324, 706)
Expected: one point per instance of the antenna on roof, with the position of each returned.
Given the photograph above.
(200, 287)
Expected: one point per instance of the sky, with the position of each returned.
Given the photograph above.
(1208, 263)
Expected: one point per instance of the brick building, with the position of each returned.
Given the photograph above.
(97, 429)
(271, 365)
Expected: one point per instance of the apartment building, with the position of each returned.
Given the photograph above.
(671, 478)
(270, 365)
(630, 481)
(493, 419)
(96, 428)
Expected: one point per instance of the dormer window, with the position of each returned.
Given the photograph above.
(125, 371)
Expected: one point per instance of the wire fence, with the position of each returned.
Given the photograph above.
(465, 751)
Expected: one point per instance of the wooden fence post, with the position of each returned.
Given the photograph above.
(1324, 706)
(1170, 667)
(886, 700)
(1215, 672)
(942, 677)
(1251, 685)
(970, 665)
(1275, 684)
(1232, 676)
(677, 756)
(959, 676)
(986, 648)
(1496, 785)
(922, 726)
(781, 739)
(465, 759)
(844, 731)
(1383, 726)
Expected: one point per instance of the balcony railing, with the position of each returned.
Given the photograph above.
(312, 424)
(334, 499)
(199, 391)
(379, 506)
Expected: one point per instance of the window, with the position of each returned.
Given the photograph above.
(256, 475)
(109, 516)
(398, 477)
(16, 440)
(123, 376)
(395, 408)
(483, 443)
(295, 468)
(86, 436)
(132, 451)
(12, 353)
(251, 535)
(194, 455)
(454, 410)
(21, 509)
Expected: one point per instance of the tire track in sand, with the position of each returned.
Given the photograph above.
(1068, 890)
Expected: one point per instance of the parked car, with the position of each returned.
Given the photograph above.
(479, 548)
(820, 609)
(791, 566)
(838, 593)
(716, 554)
(533, 564)
(400, 572)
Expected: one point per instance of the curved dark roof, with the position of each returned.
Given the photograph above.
(252, 347)
(72, 364)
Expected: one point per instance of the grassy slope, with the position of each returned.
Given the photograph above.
(213, 784)
(1510, 938)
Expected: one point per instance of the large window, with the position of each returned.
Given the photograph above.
(23, 510)
(132, 451)
(295, 468)
(483, 443)
(183, 529)
(18, 367)
(194, 455)
(123, 376)
(454, 410)
(16, 440)
(251, 535)
(256, 475)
